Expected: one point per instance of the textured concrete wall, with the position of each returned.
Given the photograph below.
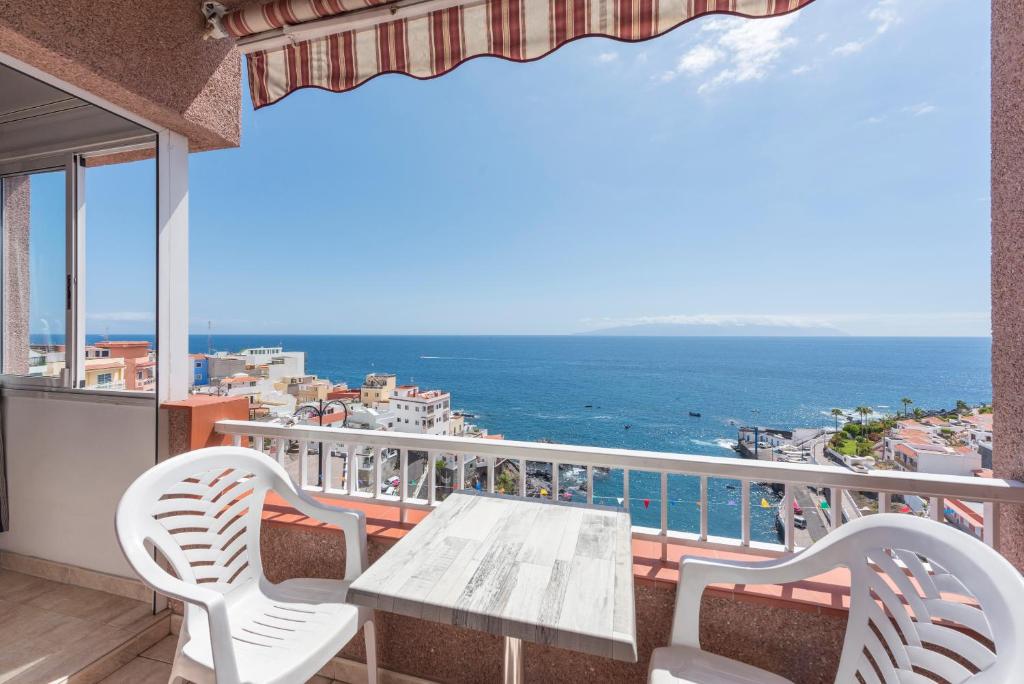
(800, 645)
(1008, 260)
(192, 422)
(16, 229)
(147, 56)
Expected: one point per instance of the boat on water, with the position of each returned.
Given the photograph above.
(695, 414)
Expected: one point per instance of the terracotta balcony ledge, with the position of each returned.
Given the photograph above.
(827, 592)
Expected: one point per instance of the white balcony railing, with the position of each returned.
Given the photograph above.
(373, 448)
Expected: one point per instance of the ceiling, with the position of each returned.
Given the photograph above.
(38, 120)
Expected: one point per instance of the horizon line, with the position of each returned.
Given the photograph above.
(573, 334)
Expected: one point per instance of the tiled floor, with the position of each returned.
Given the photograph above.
(154, 667)
(51, 631)
(54, 632)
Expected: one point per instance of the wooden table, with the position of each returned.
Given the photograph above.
(553, 573)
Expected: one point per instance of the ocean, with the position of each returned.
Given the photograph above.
(533, 388)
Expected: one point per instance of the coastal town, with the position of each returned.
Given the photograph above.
(957, 441)
(280, 391)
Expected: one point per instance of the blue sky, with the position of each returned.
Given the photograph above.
(826, 168)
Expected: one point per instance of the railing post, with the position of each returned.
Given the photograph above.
(431, 478)
(703, 508)
(460, 463)
(664, 504)
(303, 459)
(236, 440)
(837, 508)
(788, 522)
(554, 481)
(491, 465)
(935, 506)
(403, 474)
(745, 513)
(884, 502)
(990, 531)
(351, 469)
(325, 475)
(522, 477)
(625, 490)
(590, 484)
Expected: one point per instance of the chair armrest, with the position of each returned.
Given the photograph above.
(695, 574)
(351, 522)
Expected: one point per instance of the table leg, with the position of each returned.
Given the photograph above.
(514, 668)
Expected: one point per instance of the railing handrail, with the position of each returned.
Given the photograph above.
(995, 490)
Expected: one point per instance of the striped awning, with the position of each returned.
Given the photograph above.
(340, 44)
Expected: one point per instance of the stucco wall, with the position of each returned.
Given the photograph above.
(1008, 260)
(800, 645)
(16, 203)
(147, 56)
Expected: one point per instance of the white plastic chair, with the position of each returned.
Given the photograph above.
(882, 551)
(202, 511)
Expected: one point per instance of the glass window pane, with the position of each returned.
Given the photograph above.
(120, 283)
(33, 211)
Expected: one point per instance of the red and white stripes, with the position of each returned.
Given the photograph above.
(438, 41)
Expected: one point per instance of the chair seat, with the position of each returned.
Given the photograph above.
(282, 630)
(685, 664)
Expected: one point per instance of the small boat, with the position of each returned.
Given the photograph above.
(626, 426)
(589, 406)
(694, 414)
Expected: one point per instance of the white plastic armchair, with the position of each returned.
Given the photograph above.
(915, 585)
(202, 511)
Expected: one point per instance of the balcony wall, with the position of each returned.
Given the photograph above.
(797, 633)
(1008, 260)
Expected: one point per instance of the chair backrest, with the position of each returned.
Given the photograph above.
(927, 597)
(202, 511)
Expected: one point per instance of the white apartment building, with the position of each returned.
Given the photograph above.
(428, 412)
(260, 391)
(278, 363)
(369, 418)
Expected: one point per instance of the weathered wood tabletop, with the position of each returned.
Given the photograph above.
(550, 573)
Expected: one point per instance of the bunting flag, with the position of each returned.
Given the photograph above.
(765, 504)
(430, 38)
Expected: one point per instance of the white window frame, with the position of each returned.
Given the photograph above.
(173, 371)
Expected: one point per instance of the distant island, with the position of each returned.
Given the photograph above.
(729, 329)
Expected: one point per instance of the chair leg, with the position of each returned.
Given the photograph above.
(370, 636)
(176, 678)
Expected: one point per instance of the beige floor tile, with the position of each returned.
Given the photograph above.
(14, 586)
(89, 604)
(141, 671)
(71, 647)
(163, 650)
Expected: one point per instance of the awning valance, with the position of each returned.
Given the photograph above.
(340, 44)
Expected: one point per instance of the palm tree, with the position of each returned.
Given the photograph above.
(835, 414)
(962, 407)
(906, 401)
(918, 413)
(864, 412)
